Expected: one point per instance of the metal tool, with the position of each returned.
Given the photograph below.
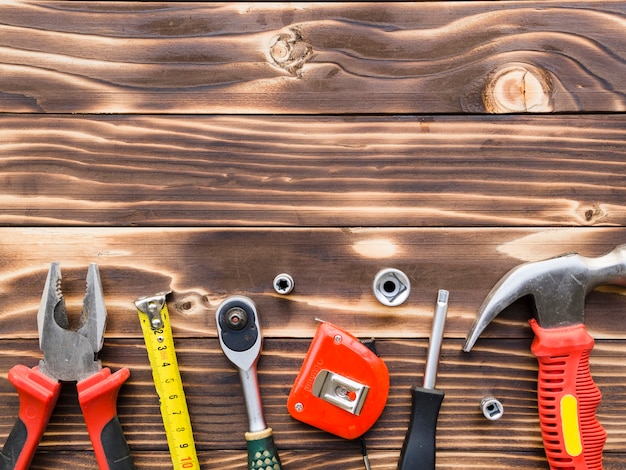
(492, 408)
(283, 284)
(240, 338)
(572, 436)
(68, 356)
(391, 287)
(420, 440)
(157, 333)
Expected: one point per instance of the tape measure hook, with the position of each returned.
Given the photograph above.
(152, 306)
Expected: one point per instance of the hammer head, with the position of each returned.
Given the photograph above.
(558, 287)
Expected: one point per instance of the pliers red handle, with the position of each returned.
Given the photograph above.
(38, 394)
(68, 356)
(97, 396)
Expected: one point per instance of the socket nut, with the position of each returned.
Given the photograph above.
(391, 287)
(283, 284)
(492, 408)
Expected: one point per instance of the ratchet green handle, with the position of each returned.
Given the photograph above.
(262, 452)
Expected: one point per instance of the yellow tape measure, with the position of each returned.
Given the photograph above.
(157, 333)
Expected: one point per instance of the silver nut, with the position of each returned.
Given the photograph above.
(283, 284)
(391, 287)
(492, 408)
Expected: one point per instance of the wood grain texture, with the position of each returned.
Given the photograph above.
(433, 57)
(218, 415)
(333, 269)
(206, 147)
(231, 460)
(313, 171)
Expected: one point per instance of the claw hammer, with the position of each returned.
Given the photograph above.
(567, 395)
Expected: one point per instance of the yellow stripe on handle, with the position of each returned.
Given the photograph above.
(571, 429)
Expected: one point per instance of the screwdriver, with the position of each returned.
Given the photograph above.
(418, 450)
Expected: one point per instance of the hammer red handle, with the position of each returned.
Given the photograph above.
(568, 398)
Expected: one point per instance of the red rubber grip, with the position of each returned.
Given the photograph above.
(97, 396)
(38, 394)
(568, 398)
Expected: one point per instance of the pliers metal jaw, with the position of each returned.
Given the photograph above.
(69, 356)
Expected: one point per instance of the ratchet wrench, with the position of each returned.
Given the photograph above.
(240, 338)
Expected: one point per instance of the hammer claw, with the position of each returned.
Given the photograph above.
(567, 396)
(558, 287)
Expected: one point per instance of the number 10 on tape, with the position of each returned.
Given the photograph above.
(157, 333)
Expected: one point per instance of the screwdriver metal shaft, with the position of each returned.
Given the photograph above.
(436, 338)
(418, 450)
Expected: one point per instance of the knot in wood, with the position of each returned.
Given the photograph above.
(289, 51)
(518, 88)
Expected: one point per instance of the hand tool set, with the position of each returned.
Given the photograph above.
(342, 386)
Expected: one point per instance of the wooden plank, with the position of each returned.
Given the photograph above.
(319, 460)
(333, 271)
(219, 144)
(504, 368)
(232, 460)
(277, 58)
(308, 171)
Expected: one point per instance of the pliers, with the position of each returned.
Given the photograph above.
(68, 356)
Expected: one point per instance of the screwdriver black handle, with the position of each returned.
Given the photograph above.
(418, 450)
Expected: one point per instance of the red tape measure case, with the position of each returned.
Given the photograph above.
(342, 386)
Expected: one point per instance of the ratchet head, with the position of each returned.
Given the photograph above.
(238, 331)
(71, 355)
(558, 287)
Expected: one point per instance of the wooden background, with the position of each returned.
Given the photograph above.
(205, 148)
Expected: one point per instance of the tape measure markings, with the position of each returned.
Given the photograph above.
(157, 333)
